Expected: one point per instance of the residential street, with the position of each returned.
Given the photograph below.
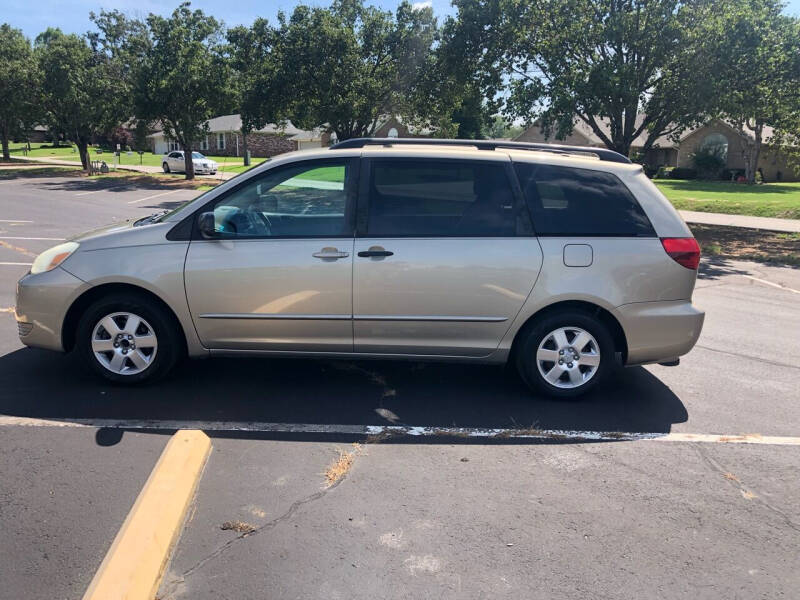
(438, 516)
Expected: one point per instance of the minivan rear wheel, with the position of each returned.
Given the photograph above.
(165, 166)
(566, 354)
(127, 339)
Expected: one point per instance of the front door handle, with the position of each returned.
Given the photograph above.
(330, 253)
(375, 253)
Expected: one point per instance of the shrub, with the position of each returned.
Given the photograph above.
(709, 161)
(683, 173)
(664, 172)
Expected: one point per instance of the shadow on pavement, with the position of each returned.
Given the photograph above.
(35, 383)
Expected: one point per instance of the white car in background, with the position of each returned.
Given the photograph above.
(174, 163)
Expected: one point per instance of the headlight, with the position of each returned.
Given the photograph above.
(50, 259)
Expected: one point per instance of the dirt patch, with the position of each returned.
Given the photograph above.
(165, 181)
(748, 244)
(19, 171)
(341, 465)
(237, 526)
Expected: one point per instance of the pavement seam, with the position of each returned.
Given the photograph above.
(748, 357)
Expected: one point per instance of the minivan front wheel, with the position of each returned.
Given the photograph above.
(566, 354)
(127, 339)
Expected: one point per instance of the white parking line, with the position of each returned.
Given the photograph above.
(154, 196)
(15, 264)
(776, 285)
(400, 431)
(14, 221)
(6, 237)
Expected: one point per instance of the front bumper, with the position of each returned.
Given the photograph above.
(659, 331)
(42, 303)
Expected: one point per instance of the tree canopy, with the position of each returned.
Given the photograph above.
(19, 85)
(347, 66)
(589, 60)
(183, 79)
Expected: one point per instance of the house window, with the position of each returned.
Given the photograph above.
(204, 143)
(173, 146)
(220, 141)
(392, 133)
(717, 144)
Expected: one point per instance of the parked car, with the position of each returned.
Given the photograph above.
(174, 162)
(562, 260)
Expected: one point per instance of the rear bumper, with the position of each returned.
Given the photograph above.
(42, 302)
(659, 331)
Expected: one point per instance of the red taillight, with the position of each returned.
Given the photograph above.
(684, 251)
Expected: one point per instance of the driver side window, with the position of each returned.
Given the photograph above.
(308, 199)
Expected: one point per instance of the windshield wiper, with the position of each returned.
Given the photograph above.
(150, 218)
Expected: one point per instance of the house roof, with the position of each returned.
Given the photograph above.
(233, 123)
(662, 141)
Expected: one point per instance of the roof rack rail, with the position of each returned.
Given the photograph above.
(601, 153)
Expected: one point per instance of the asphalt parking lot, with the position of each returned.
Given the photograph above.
(441, 516)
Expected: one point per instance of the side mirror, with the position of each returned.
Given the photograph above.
(206, 225)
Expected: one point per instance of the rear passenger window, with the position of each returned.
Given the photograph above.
(580, 202)
(439, 198)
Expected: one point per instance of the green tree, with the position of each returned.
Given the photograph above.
(75, 86)
(349, 65)
(759, 74)
(590, 60)
(259, 93)
(119, 44)
(183, 77)
(18, 85)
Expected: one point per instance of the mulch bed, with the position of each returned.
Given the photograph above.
(748, 244)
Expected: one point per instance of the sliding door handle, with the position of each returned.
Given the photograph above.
(330, 253)
(371, 252)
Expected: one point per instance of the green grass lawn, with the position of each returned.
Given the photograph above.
(768, 200)
(227, 164)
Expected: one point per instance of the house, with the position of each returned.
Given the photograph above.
(224, 138)
(774, 165)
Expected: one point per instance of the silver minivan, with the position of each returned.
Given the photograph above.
(561, 259)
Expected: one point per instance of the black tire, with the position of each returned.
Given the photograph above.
(165, 166)
(533, 337)
(169, 344)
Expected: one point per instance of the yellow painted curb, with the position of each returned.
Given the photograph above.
(134, 564)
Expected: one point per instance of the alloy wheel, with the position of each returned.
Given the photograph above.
(568, 357)
(124, 343)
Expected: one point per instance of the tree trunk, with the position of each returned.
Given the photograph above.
(6, 152)
(187, 161)
(83, 151)
(244, 148)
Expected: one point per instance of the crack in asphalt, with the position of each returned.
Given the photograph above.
(296, 505)
(748, 357)
(718, 468)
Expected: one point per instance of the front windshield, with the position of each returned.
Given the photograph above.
(197, 155)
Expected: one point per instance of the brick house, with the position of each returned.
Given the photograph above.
(774, 165)
(224, 138)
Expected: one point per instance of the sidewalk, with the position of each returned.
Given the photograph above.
(772, 224)
(136, 168)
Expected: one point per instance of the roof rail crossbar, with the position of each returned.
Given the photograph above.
(601, 153)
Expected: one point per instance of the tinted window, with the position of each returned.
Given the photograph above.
(566, 201)
(305, 200)
(430, 198)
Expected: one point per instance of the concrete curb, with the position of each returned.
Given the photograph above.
(133, 567)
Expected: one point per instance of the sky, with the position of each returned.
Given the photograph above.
(72, 16)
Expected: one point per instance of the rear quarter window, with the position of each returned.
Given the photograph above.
(565, 201)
